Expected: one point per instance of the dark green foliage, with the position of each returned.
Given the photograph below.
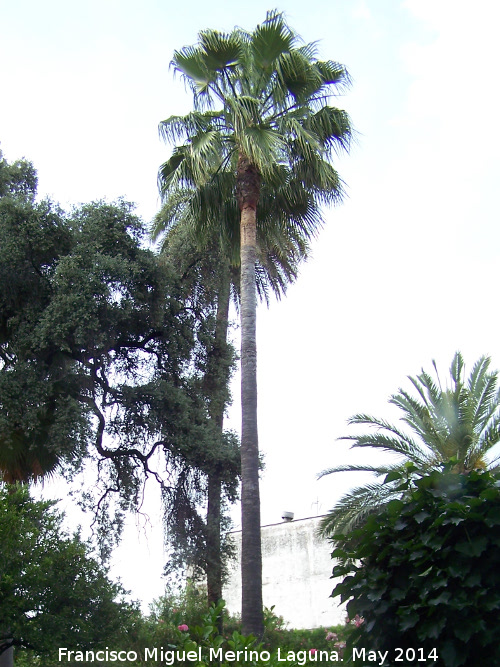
(424, 573)
(189, 607)
(102, 354)
(17, 178)
(160, 628)
(41, 422)
(52, 591)
(200, 540)
(196, 543)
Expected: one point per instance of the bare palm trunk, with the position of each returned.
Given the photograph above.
(248, 188)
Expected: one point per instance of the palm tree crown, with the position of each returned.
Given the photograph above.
(270, 143)
(272, 96)
(458, 425)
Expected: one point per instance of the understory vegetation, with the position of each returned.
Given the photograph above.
(181, 622)
(423, 573)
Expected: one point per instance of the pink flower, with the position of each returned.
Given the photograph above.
(161, 620)
(183, 627)
(313, 650)
(340, 644)
(358, 620)
(330, 636)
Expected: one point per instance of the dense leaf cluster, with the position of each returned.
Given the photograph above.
(261, 108)
(103, 352)
(424, 573)
(52, 591)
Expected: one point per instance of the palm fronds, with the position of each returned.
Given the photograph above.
(459, 424)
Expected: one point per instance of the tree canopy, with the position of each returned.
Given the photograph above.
(102, 355)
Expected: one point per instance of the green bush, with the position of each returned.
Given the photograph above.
(174, 629)
(424, 574)
(179, 639)
(53, 591)
(179, 623)
(189, 607)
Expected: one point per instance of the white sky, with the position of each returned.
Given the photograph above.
(406, 270)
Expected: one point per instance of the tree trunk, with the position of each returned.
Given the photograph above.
(217, 408)
(248, 188)
(214, 555)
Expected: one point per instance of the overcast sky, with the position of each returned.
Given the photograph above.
(405, 270)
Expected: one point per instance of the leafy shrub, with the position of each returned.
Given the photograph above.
(423, 573)
(53, 591)
(189, 606)
(277, 636)
(174, 630)
(180, 622)
(204, 640)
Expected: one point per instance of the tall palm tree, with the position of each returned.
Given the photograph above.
(260, 114)
(458, 425)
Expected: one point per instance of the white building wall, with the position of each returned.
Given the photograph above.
(296, 571)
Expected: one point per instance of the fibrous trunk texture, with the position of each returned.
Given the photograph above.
(248, 189)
